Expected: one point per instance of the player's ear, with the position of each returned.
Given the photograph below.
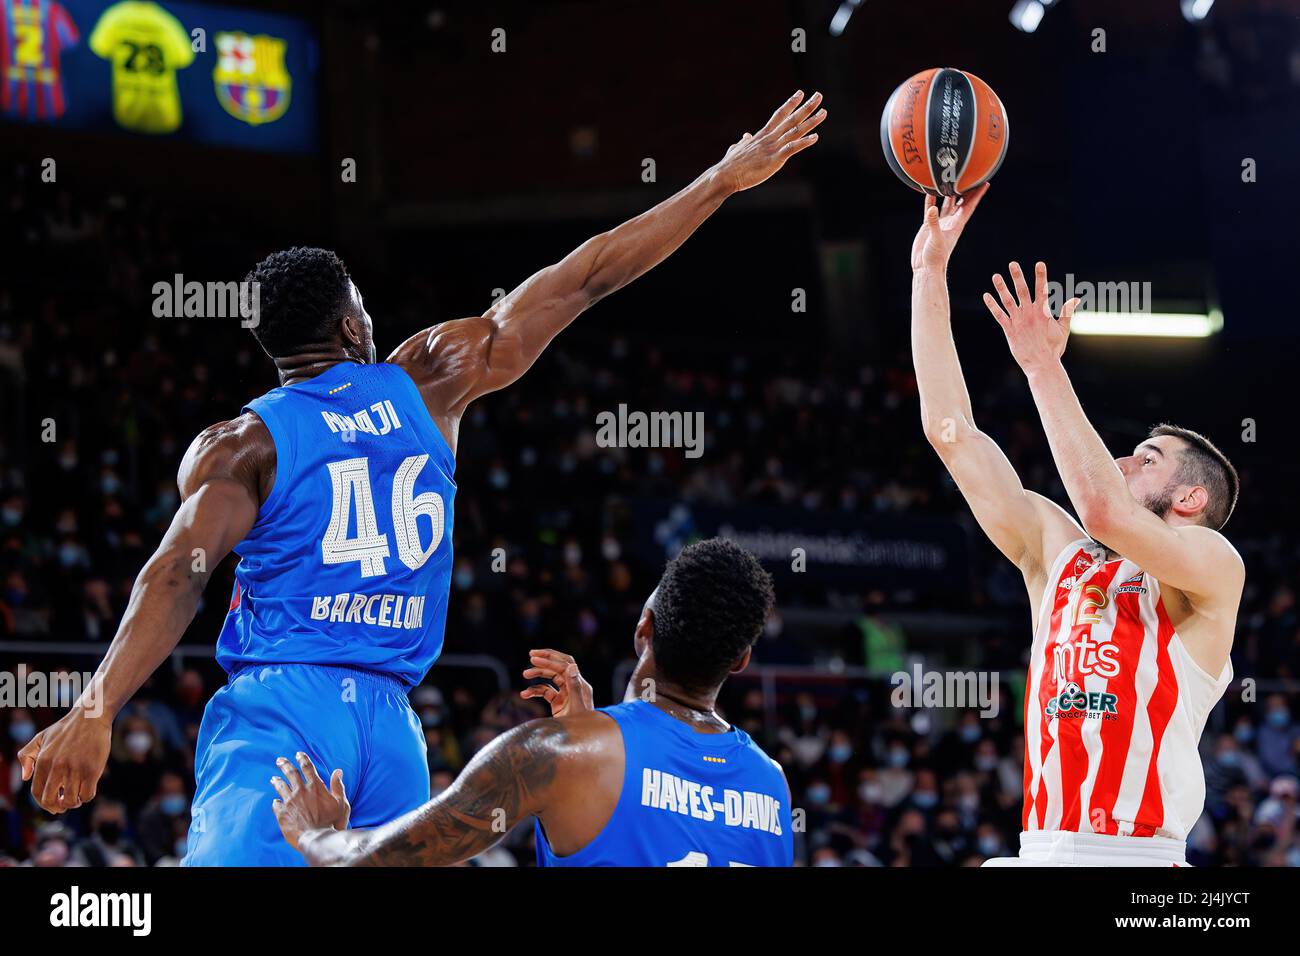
(353, 334)
(1191, 501)
(743, 661)
(644, 635)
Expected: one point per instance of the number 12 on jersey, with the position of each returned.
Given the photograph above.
(350, 479)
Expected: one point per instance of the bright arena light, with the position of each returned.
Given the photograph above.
(1171, 325)
(1027, 14)
(1194, 11)
(842, 15)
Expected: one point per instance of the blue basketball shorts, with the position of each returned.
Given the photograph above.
(341, 717)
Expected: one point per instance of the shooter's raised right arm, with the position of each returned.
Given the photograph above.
(1024, 526)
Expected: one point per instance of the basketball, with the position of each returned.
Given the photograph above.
(944, 132)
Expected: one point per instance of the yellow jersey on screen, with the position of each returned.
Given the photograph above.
(146, 46)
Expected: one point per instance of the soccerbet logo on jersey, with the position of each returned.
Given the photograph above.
(745, 809)
(1073, 702)
(250, 77)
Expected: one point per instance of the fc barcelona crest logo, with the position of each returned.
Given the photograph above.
(252, 83)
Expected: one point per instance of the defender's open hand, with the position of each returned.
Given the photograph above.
(307, 804)
(756, 158)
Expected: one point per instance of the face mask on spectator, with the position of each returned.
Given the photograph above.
(925, 798)
(1230, 758)
(840, 753)
(12, 516)
(986, 762)
(990, 845)
(898, 757)
(1279, 718)
(819, 793)
(22, 732)
(138, 742)
(869, 792)
(173, 804)
(969, 733)
(1244, 734)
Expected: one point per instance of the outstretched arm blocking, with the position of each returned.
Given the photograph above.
(456, 362)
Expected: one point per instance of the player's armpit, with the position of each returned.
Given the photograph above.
(1026, 527)
(508, 780)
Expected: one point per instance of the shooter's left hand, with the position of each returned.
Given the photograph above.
(1035, 337)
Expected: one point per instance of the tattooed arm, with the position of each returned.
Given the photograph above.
(511, 778)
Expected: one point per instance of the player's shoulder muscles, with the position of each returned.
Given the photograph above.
(448, 362)
(240, 451)
(1209, 569)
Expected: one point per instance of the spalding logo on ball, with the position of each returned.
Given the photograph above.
(944, 132)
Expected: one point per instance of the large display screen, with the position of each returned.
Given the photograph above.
(194, 71)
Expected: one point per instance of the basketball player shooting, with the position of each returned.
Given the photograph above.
(1135, 610)
(336, 491)
(658, 780)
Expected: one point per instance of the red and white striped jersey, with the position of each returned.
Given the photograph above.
(1114, 705)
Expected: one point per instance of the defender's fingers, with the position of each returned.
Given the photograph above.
(548, 671)
(782, 111)
(310, 777)
(1002, 317)
(551, 655)
(811, 123)
(336, 786)
(1018, 277)
(281, 788)
(28, 755)
(290, 774)
(797, 146)
(1008, 300)
(802, 115)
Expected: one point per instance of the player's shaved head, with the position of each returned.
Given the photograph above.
(303, 295)
(709, 609)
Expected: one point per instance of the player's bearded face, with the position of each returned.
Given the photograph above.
(1159, 502)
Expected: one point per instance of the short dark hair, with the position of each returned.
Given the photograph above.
(710, 607)
(1201, 463)
(302, 294)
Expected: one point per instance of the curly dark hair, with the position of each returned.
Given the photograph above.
(709, 608)
(302, 295)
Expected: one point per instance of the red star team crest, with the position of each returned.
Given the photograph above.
(251, 80)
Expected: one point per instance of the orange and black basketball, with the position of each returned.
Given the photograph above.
(944, 132)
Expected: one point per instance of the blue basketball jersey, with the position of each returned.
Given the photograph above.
(349, 562)
(688, 799)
